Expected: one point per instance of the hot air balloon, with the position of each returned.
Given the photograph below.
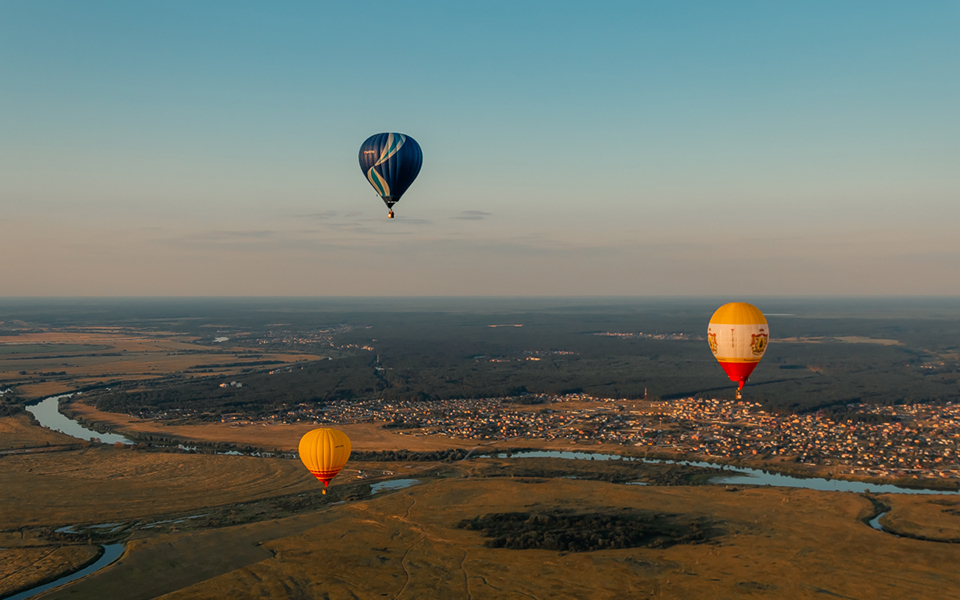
(324, 452)
(390, 161)
(738, 334)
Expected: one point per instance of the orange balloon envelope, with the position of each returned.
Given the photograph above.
(324, 452)
(738, 334)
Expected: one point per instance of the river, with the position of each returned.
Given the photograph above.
(47, 412)
(111, 553)
(738, 475)
(875, 523)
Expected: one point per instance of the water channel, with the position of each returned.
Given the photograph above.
(111, 552)
(875, 523)
(48, 414)
(738, 475)
(392, 484)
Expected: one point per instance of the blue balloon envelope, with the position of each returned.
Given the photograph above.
(390, 161)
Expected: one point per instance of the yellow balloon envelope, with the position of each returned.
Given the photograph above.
(324, 452)
(738, 334)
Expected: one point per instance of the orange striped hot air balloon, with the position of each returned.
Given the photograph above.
(324, 452)
(738, 334)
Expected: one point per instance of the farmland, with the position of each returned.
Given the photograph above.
(258, 375)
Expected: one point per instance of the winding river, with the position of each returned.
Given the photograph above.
(739, 475)
(875, 523)
(48, 414)
(111, 552)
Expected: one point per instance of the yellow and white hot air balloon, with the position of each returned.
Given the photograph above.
(324, 452)
(738, 334)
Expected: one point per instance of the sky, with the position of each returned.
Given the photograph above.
(181, 148)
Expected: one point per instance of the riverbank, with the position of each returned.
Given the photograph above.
(283, 440)
(121, 491)
(105, 556)
(25, 568)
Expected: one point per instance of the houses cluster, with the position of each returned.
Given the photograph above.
(281, 338)
(651, 336)
(888, 441)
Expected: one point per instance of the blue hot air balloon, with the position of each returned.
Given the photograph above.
(390, 161)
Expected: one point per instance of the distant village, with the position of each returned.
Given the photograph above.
(915, 440)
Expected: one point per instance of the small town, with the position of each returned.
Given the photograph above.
(651, 336)
(913, 440)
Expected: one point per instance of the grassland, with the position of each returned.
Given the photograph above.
(203, 526)
(56, 361)
(363, 436)
(775, 544)
(934, 518)
(43, 491)
(19, 432)
(266, 532)
(22, 567)
(107, 485)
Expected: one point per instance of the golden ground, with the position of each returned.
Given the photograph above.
(18, 432)
(372, 436)
(930, 517)
(100, 485)
(363, 436)
(779, 543)
(23, 566)
(78, 358)
(46, 490)
(158, 564)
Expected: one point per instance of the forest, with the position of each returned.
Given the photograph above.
(823, 354)
(566, 532)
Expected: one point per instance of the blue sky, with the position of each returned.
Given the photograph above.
(634, 148)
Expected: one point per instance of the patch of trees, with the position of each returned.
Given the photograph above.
(436, 355)
(315, 384)
(566, 532)
(251, 363)
(611, 472)
(402, 424)
(9, 409)
(11, 405)
(410, 456)
(528, 400)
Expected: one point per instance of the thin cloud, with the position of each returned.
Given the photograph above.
(326, 214)
(259, 234)
(349, 220)
(472, 215)
(221, 236)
